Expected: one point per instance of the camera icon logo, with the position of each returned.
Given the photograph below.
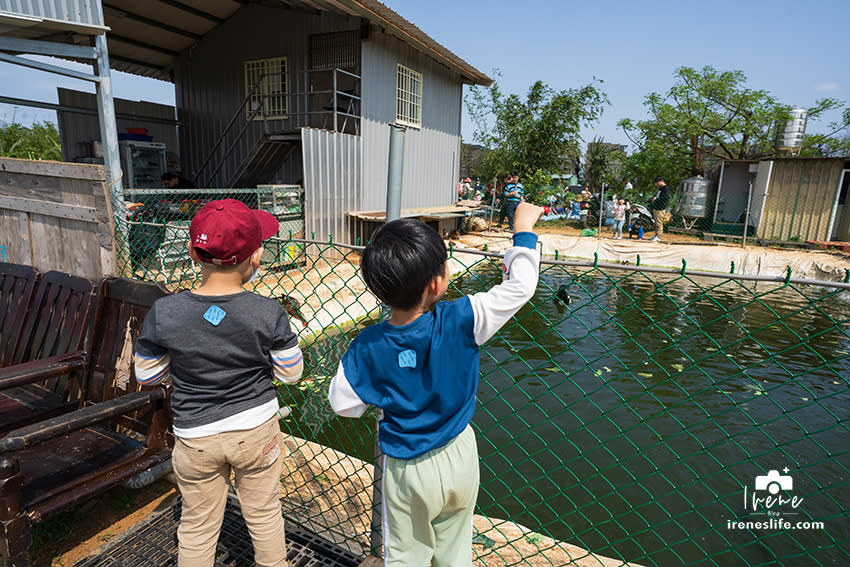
(773, 482)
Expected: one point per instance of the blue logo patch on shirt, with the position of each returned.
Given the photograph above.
(215, 314)
(407, 359)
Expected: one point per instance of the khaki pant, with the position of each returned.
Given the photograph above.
(659, 217)
(203, 467)
(428, 506)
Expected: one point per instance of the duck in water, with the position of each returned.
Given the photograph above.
(562, 297)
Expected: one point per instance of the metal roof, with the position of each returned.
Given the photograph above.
(144, 38)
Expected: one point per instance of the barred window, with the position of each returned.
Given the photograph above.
(272, 91)
(408, 101)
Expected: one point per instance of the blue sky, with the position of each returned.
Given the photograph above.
(797, 51)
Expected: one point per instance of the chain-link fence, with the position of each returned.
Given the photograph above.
(626, 414)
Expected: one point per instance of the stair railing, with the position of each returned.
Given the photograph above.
(260, 108)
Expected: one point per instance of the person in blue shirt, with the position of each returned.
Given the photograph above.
(420, 369)
(513, 196)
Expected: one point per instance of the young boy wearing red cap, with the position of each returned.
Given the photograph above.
(223, 347)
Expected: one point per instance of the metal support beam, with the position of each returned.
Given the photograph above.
(23, 62)
(79, 110)
(109, 130)
(51, 48)
(113, 37)
(117, 12)
(190, 10)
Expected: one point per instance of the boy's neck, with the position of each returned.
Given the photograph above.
(220, 283)
(401, 317)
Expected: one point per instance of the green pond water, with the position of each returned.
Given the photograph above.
(630, 421)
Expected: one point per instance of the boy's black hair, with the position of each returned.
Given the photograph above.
(402, 258)
(169, 175)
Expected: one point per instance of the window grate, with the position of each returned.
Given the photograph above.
(408, 105)
(272, 92)
(336, 50)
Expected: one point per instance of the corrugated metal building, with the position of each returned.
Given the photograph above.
(799, 199)
(296, 91)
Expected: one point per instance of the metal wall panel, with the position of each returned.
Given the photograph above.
(800, 199)
(210, 86)
(431, 160)
(77, 11)
(331, 183)
(78, 130)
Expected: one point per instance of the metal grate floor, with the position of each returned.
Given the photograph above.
(153, 543)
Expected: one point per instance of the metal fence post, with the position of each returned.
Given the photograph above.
(747, 214)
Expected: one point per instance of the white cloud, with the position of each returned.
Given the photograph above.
(828, 87)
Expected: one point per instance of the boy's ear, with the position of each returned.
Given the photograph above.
(193, 254)
(256, 256)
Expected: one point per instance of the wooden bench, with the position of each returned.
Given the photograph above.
(119, 429)
(43, 343)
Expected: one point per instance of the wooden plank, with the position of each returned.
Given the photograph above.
(53, 169)
(13, 248)
(30, 186)
(84, 214)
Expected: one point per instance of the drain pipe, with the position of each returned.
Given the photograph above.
(148, 476)
(394, 172)
(394, 184)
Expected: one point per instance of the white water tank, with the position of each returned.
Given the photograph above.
(790, 134)
(693, 197)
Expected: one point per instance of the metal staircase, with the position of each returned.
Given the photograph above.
(264, 160)
(272, 149)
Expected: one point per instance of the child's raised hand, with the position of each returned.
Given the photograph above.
(525, 216)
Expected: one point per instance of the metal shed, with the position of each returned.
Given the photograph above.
(793, 199)
(345, 69)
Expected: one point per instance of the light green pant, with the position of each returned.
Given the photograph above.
(428, 505)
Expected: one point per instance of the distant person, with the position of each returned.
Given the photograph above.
(658, 206)
(503, 202)
(421, 369)
(513, 196)
(619, 219)
(174, 181)
(628, 186)
(224, 349)
(584, 211)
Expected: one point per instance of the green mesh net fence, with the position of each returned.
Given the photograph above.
(626, 415)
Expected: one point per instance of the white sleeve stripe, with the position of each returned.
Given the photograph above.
(153, 379)
(154, 357)
(342, 397)
(282, 360)
(285, 352)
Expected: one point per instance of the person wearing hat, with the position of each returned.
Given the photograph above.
(224, 349)
(658, 206)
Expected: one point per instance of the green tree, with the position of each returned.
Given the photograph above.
(707, 115)
(39, 141)
(532, 136)
(604, 164)
(816, 145)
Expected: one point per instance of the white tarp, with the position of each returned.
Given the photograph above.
(752, 260)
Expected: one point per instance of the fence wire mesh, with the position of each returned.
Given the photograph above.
(625, 415)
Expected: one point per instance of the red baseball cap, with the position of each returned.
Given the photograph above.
(229, 231)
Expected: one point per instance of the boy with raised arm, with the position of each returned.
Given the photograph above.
(420, 368)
